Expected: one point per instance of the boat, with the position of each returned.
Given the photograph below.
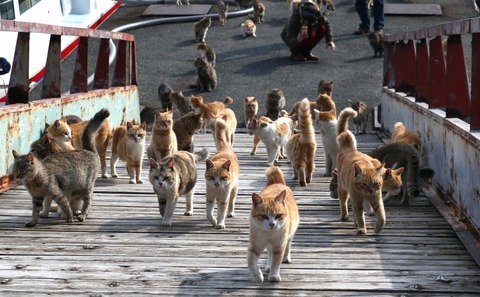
(87, 14)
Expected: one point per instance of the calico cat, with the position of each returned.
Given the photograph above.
(274, 134)
(376, 40)
(361, 120)
(209, 109)
(399, 154)
(301, 147)
(325, 87)
(325, 103)
(173, 176)
(274, 219)
(165, 96)
(164, 140)
(258, 11)
(275, 103)
(221, 178)
(200, 29)
(67, 177)
(360, 178)
(222, 12)
(128, 145)
(326, 123)
(69, 137)
(248, 28)
(181, 102)
(228, 126)
(185, 128)
(207, 53)
(402, 134)
(206, 75)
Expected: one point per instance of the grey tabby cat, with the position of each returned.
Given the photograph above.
(175, 175)
(360, 122)
(181, 102)
(200, 29)
(67, 177)
(222, 12)
(275, 103)
(258, 11)
(206, 75)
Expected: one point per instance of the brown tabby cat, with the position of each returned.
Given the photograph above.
(222, 12)
(274, 219)
(164, 140)
(360, 178)
(275, 103)
(325, 87)
(173, 176)
(69, 137)
(185, 128)
(361, 120)
(258, 11)
(44, 147)
(206, 75)
(221, 177)
(128, 145)
(209, 110)
(67, 177)
(229, 125)
(301, 147)
(181, 102)
(376, 40)
(402, 134)
(200, 29)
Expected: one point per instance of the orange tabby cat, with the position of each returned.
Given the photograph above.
(402, 134)
(325, 103)
(360, 178)
(209, 109)
(274, 219)
(69, 137)
(301, 147)
(164, 140)
(128, 145)
(221, 177)
(228, 127)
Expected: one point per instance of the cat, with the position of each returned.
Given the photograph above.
(44, 147)
(325, 87)
(301, 147)
(173, 176)
(274, 219)
(361, 120)
(399, 154)
(228, 126)
(200, 29)
(182, 103)
(206, 75)
(207, 53)
(360, 178)
(185, 128)
(402, 134)
(67, 177)
(248, 28)
(164, 140)
(69, 137)
(209, 109)
(128, 145)
(377, 41)
(179, 2)
(328, 4)
(165, 96)
(222, 12)
(258, 11)
(296, 106)
(275, 103)
(274, 134)
(325, 103)
(221, 178)
(250, 108)
(326, 123)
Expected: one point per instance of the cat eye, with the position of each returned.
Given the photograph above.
(264, 217)
(278, 216)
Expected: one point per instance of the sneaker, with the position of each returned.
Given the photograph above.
(311, 57)
(379, 31)
(299, 58)
(361, 31)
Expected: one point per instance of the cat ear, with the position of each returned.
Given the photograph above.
(129, 125)
(281, 197)
(209, 164)
(379, 169)
(157, 113)
(227, 164)
(153, 164)
(387, 174)
(224, 117)
(45, 138)
(357, 168)
(15, 154)
(63, 119)
(171, 164)
(143, 125)
(56, 124)
(256, 199)
(400, 170)
(30, 157)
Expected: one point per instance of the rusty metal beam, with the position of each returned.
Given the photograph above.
(18, 85)
(52, 80)
(422, 89)
(475, 91)
(119, 73)
(102, 69)
(437, 74)
(80, 73)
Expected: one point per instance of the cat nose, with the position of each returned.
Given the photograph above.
(217, 184)
(272, 224)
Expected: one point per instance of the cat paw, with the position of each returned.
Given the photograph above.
(362, 231)
(30, 224)
(274, 278)
(114, 175)
(188, 213)
(44, 214)
(253, 153)
(370, 213)
(131, 181)
(104, 175)
(258, 276)
(231, 214)
(70, 221)
(139, 181)
(220, 226)
(167, 223)
(81, 218)
(344, 218)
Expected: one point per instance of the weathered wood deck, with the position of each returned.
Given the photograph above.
(121, 249)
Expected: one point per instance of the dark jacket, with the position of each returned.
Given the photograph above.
(292, 28)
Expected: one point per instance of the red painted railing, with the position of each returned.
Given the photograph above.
(430, 65)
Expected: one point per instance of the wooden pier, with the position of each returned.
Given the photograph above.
(122, 250)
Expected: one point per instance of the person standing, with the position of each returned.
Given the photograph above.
(378, 16)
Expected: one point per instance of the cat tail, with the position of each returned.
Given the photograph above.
(305, 124)
(345, 138)
(228, 100)
(342, 125)
(274, 175)
(92, 128)
(201, 155)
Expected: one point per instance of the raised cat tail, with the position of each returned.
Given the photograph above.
(345, 138)
(228, 100)
(201, 155)
(92, 128)
(305, 122)
(274, 175)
